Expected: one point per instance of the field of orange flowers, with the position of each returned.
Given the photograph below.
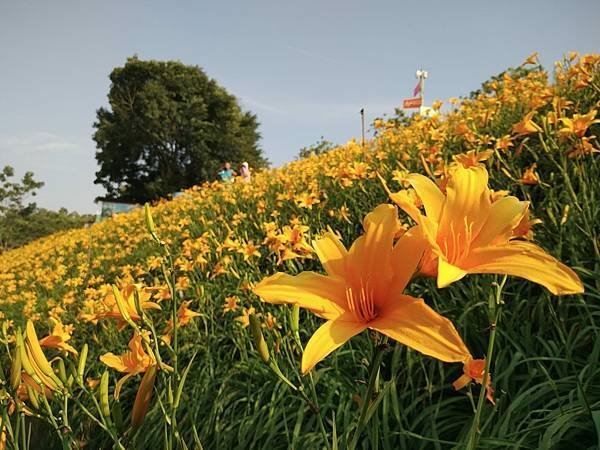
(437, 287)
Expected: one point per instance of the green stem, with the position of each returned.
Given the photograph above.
(51, 418)
(102, 421)
(174, 321)
(91, 416)
(374, 370)
(313, 390)
(495, 309)
(24, 442)
(315, 400)
(65, 413)
(15, 438)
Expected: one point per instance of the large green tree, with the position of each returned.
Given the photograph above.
(169, 127)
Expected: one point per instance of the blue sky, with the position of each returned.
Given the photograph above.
(305, 68)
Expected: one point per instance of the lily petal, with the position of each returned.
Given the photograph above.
(526, 260)
(406, 204)
(330, 336)
(384, 217)
(369, 256)
(411, 322)
(114, 361)
(461, 382)
(468, 202)
(433, 199)
(332, 254)
(120, 383)
(448, 273)
(320, 294)
(428, 227)
(505, 214)
(406, 257)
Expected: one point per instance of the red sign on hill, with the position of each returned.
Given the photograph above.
(411, 103)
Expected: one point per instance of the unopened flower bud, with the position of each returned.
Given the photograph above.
(15, 370)
(143, 397)
(149, 220)
(259, 340)
(295, 319)
(103, 393)
(81, 364)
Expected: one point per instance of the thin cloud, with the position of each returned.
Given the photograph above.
(313, 55)
(253, 103)
(36, 142)
(314, 109)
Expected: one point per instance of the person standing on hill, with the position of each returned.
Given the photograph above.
(245, 172)
(226, 174)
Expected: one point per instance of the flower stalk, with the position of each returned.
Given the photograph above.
(494, 308)
(371, 388)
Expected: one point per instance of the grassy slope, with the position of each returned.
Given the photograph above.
(546, 373)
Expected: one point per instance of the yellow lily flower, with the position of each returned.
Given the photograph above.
(111, 309)
(244, 319)
(468, 233)
(530, 176)
(133, 362)
(579, 124)
(472, 157)
(526, 126)
(583, 147)
(473, 370)
(531, 59)
(184, 316)
(230, 304)
(59, 337)
(363, 289)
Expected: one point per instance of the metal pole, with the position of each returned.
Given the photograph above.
(362, 119)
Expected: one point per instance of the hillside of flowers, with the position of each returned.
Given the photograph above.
(437, 287)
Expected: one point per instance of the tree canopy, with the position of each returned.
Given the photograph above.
(318, 148)
(169, 127)
(21, 222)
(13, 193)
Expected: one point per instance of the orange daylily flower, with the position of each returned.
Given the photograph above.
(462, 129)
(473, 370)
(579, 124)
(503, 143)
(59, 337)
(111, 309)
(184, 316)
(472, 158)
(583, 147)
(526, 126)
(524, 227)
(244, 319)
(531, 59)
(230, 304)
(363, 289)
(467, 233)
(135, 361)
(530, 176)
